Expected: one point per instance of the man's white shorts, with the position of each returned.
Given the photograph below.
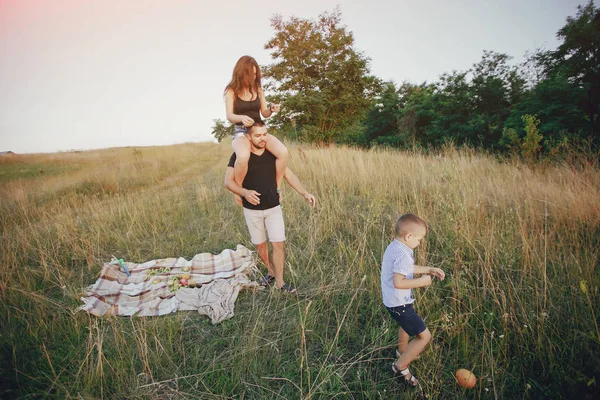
(263, 222)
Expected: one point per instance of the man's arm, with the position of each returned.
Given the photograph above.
(250, 195)
(295, 183)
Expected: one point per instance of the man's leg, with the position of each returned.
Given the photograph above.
(278, 262)
(263, 252)
(258, 235)
(276, 230)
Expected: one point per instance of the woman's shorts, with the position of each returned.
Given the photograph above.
(239, 130)
(408, 319)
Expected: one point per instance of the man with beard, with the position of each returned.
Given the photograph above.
(260, 201)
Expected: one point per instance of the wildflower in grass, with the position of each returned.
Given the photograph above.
(583, 286)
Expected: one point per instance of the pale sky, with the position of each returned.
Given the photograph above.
(86, 74)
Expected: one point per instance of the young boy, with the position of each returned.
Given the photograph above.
(397, 281)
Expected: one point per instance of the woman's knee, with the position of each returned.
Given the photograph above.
(242, 156)
(276, 147)
(241, 159)
(283, 153)
(241, 147)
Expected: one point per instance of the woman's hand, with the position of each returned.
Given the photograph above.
(237, 199)
(247, 121)
(275, 108)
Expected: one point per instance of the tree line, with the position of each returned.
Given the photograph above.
(328, 94)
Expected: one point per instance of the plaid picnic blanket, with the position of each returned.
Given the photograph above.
(141, 294)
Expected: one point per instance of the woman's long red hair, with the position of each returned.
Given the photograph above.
(241, 78)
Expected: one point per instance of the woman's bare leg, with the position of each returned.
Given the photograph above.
(241, 147)
(279, 150)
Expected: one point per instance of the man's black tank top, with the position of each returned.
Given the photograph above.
(260, 177)
(250, 108)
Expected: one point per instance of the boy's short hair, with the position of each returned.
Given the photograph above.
(257, 124)
(406, 223)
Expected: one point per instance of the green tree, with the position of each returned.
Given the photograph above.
(401, 117)
(321, 80)
(468, 107)
(578, 60)
(495, 84)
(416, 111)
(450, 109)
(383, 118)
(221, 129)
(556, 102)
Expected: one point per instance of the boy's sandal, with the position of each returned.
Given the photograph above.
(412, 381)
(266, 280)
(287, 288)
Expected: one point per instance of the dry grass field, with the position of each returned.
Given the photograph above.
(519, 307)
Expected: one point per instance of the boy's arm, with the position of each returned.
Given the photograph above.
(232, 186)
(401, 283)
(295, 183)
(437, 272)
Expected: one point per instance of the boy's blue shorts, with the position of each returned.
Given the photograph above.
(408, 319)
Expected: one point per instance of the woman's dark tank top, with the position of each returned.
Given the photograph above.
(250, 108)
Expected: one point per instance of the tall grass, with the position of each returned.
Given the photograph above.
(520, 246)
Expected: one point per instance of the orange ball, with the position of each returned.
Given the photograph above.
(466, 378)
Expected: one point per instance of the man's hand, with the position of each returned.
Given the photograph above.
(252, 196)
(437, 273)
(310, 199)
